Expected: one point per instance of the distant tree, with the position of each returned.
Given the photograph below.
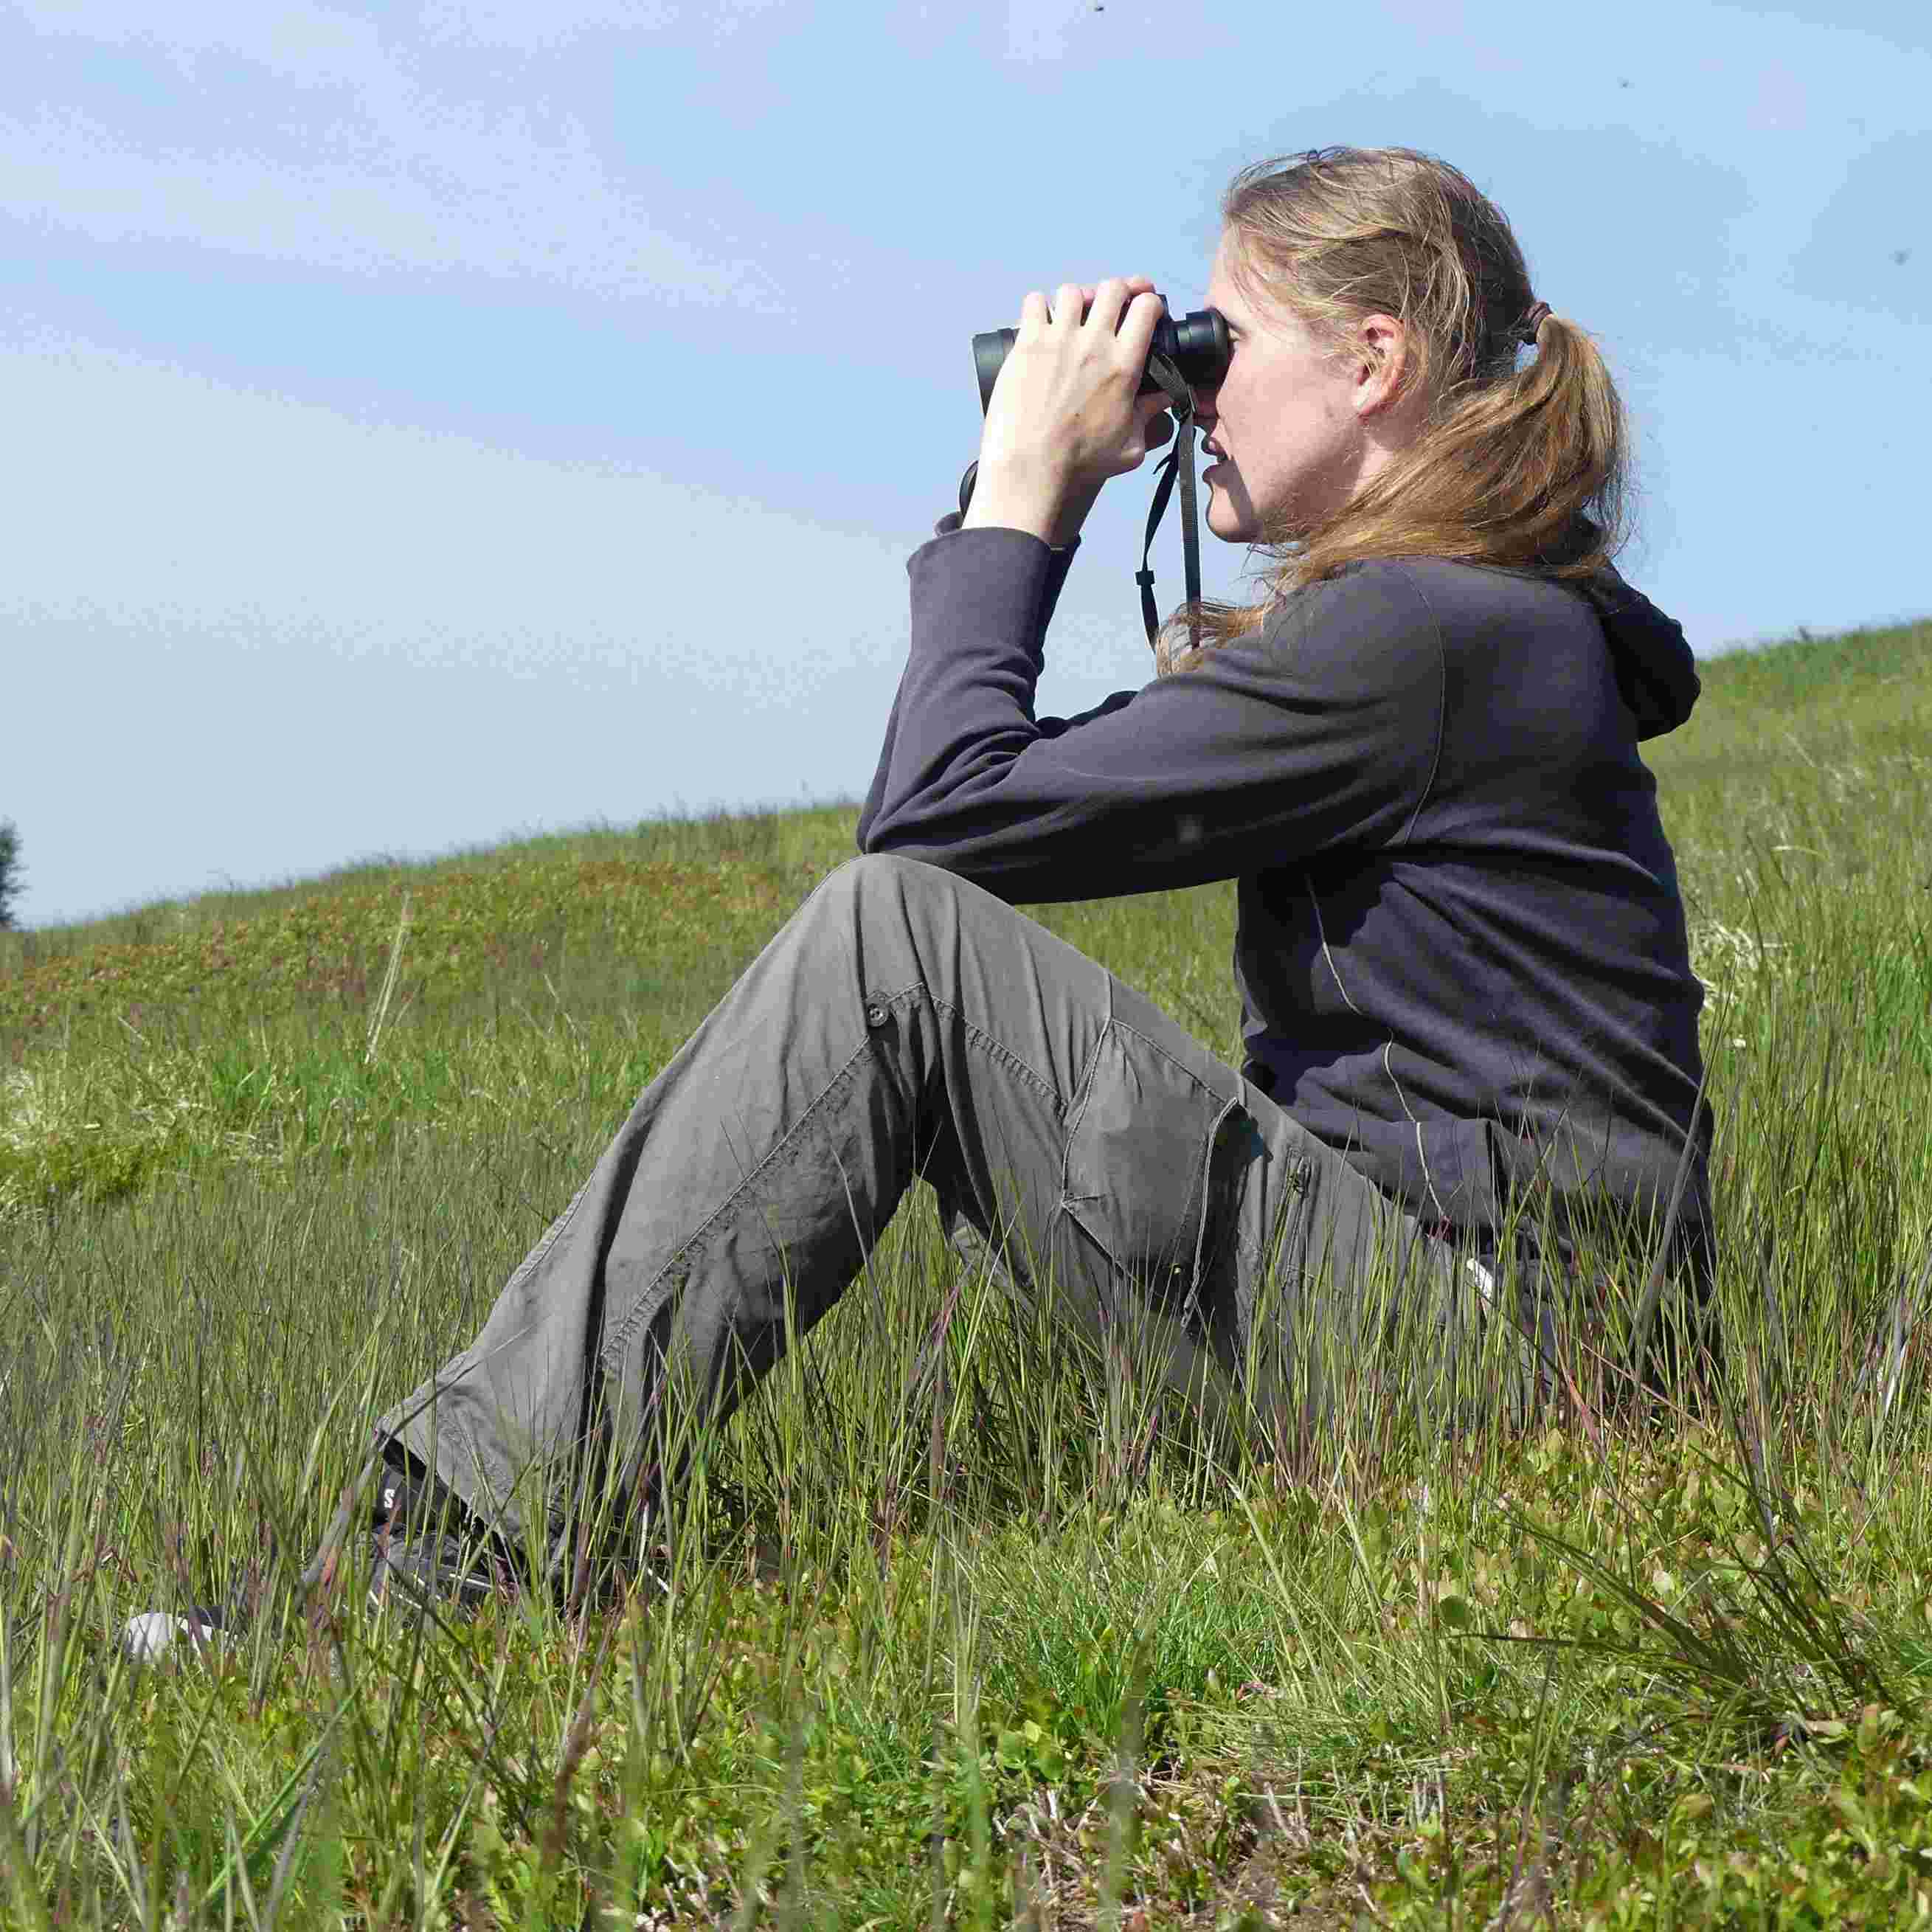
(9, 872)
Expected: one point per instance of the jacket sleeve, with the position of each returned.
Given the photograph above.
(1059, 562)
(1318, 732)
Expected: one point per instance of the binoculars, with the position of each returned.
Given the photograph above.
(1193, 354)
(1197, 345)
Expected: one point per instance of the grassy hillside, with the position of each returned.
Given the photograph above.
(995, 1638)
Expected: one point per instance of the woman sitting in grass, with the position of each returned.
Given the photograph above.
(1469, 1099)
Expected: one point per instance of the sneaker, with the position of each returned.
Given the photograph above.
(151, 1636)
(426, 1548)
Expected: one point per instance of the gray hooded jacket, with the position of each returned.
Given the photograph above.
(1461, 949)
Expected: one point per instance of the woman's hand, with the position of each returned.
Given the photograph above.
(1065, 416)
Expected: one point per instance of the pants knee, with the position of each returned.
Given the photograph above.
(875, 878)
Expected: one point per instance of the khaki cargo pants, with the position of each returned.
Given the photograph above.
(905, 1024)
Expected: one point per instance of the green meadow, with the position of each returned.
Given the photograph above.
(970, 1627)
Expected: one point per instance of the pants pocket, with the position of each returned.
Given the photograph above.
(1139, 1177)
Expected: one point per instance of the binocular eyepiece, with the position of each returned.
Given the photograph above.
(1196, 344)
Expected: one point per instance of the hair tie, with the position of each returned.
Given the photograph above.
(1531, 322)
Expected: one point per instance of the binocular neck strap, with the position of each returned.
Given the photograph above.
(1178, 461)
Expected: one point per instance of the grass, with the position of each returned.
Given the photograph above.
(974, 1632)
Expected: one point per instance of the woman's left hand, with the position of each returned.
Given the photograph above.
(1065, 416)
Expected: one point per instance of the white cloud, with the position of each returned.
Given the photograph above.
(301, 42)
(516, 23)
(504, 199)
(351, 152)
(519, 24)
(1037, 29)
(1040, 32)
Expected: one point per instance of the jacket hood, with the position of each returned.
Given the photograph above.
(1656, 672)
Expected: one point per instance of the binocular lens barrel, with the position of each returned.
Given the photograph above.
(1196, 344)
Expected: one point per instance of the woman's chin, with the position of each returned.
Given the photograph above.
(1224, 522)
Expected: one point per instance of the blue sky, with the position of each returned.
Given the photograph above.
(432, 422)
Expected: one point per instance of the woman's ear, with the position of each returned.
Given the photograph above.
(1382, 365)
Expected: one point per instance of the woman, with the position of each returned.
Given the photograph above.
(1461, 950)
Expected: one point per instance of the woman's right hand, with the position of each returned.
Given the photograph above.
(1065, 415)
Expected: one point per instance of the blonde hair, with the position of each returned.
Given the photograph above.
(1522, 468)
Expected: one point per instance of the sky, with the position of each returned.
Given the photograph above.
(431, 423)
